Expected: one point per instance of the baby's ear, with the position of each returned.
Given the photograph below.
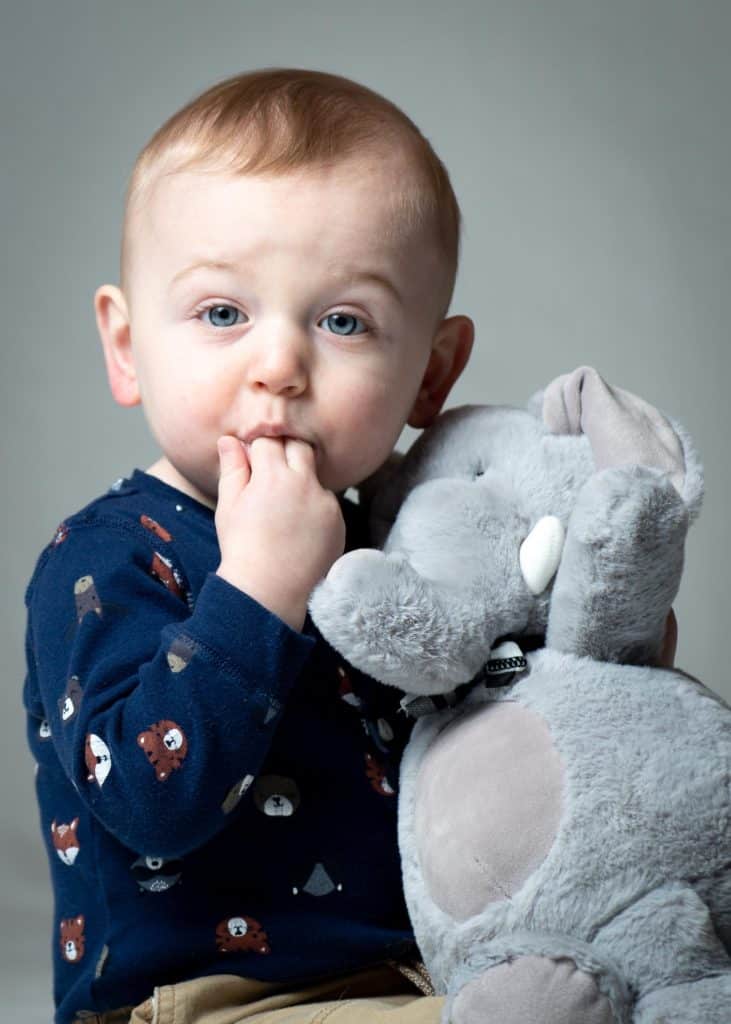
(623, 429)
(451, 347)
(113, 323)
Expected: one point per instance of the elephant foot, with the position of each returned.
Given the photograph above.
(531, 990)
(706, 1001)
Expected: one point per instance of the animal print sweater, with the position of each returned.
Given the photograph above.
(216, 790)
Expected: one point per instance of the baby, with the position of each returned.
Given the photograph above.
(216, 787)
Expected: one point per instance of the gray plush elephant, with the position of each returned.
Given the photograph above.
(565, 811)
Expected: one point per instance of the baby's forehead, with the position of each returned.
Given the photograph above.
(351, 206)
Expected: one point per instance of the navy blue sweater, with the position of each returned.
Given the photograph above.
(216, 790)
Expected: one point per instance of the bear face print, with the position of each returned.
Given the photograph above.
(98, 759)
(68, 705)
(65, 841)
(166, 747)
(276, 796)
(72, 939)
(241, 935)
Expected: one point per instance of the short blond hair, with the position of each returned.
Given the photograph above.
(277, 120)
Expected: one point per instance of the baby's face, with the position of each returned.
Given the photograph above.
(255, 300)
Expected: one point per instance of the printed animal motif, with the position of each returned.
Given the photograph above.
(86, 597)
(276, 796)
(345, 690)
(275, 706)
(319, 883)
(180, 652)
(235, 793)
(380, 733)
(164, 571)
(376, 773)
(102, 961)
(44, 730)
(154, 527)
(65, 841)
(98, 759)
(241, 935)
(60, 535)
(166, 747)
(72, 939)
(155, 874)
(68, 705)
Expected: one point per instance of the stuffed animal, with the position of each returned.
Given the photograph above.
(565, 811)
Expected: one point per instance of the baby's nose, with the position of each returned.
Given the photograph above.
(281, 363)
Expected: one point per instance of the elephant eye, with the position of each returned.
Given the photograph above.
(478, 471)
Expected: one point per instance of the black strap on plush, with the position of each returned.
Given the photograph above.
(494, 673)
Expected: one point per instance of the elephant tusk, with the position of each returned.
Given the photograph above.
(540, 553)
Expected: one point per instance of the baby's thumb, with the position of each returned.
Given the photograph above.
(234, 469)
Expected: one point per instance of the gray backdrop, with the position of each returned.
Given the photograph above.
(588, 143)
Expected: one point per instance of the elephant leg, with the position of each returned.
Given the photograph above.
(705, 1001)
(668, 950)
(531, 990)
(621, 567)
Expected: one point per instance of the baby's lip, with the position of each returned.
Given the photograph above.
(273, 430)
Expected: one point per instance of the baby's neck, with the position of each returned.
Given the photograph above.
(165, 471)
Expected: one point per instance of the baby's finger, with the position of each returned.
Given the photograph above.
(264, 451)
(300, 455)
(234, 470)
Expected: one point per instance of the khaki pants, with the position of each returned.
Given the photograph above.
(388, 994)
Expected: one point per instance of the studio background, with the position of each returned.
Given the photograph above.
(588, 144)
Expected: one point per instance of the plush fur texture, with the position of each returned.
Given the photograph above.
(616, 857)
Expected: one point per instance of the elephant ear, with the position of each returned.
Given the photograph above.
(534, 405)
(623, 429)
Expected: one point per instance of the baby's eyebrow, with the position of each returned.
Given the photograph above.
(351, 276)
(346, 275)
(202, 265)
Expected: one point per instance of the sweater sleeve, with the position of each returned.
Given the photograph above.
(160, 716)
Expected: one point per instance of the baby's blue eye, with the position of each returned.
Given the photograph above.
(341, 323)
(222, 316)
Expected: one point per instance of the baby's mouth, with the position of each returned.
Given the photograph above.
(281, 437)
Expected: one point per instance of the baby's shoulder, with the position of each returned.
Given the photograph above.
(121, 525)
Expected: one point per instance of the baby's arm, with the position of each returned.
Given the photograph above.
(160, 716)
(157, 715)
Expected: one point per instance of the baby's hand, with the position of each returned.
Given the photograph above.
(279, 531)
